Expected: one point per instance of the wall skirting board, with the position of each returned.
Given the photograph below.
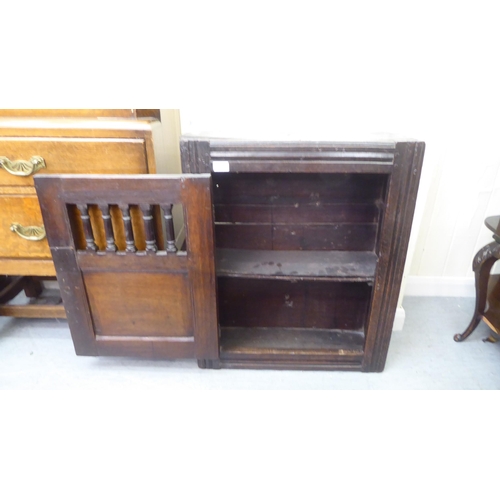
(399, 319)
(434, 286)
(440, 286)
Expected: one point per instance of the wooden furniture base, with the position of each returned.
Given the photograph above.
(42, 303)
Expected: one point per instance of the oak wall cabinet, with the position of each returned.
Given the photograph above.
(293, 257)
(57, 142)
(311, 240)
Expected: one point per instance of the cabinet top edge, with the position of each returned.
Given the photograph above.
(375, 143)
(124, 177)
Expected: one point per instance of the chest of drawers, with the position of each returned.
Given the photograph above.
(56, 145)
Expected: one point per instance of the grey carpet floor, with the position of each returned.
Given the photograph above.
(38, 354)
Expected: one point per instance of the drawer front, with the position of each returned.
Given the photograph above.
(70, 156)
(23, 211)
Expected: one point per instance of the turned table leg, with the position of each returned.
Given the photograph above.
(483, 262)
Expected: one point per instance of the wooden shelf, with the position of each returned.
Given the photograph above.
(336, 266)
(245, 343)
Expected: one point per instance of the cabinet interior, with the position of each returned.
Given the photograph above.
(296, 256)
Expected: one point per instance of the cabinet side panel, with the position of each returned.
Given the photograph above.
(395, 235)
(195, 156)
(200, 246)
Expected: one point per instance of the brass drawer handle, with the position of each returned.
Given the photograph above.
(32, 233)
(23, 168)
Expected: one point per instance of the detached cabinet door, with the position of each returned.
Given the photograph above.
(126, 286)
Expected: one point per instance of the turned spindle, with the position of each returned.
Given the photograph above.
(108, 229)
(169, 223)
(129, 233)
(147, 217)
(87, 228)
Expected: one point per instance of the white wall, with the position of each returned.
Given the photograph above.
(427, 70)
(317, 124)
(460, 183)
(465, 189)
(451, 101)
(171, 131)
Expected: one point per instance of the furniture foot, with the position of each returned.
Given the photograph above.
(483, 262)
(459, 337)
(209, 363)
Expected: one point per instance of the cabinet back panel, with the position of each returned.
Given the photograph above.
(297, 211)
(343, 237)
(288, 189)
(287, 304)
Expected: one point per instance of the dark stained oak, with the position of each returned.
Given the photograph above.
(298, 188)
(395, 227)
(298, 211)
(129, 233)
(275, 303)
(310, 237)
(293, 257)
(157, 306)
(348, 266)
(131, 298)
(248, 343)
(341, 237)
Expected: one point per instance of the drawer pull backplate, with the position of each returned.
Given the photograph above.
(32, 233)
(22, 168)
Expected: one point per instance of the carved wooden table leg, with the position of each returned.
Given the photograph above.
(483, 262)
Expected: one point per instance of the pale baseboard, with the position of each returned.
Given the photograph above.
(433, 286)
(439, 286)
(399, 320)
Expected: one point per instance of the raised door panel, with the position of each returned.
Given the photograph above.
(140, 304)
